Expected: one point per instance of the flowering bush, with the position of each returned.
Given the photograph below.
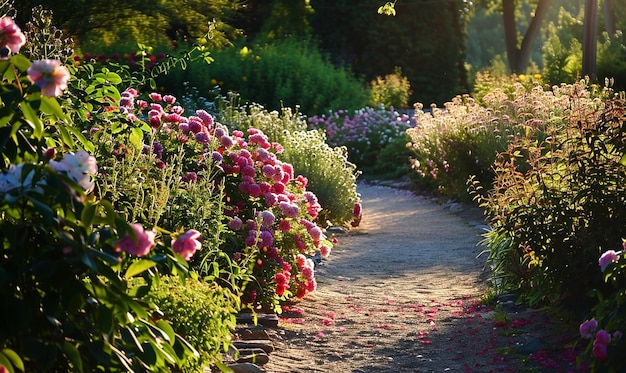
(365, 134)
(309, 153)
(67, 256)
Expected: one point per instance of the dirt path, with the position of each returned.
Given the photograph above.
(400, 294)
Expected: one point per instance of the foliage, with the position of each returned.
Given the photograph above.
(202, 311)
(365, 134)
(329, 173)
(460, 141)
(557, 199)
(64, 267)
(279, 73)
(393, 90)
(172, 23)
(562, 52)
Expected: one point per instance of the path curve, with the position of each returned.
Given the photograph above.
(390, 291)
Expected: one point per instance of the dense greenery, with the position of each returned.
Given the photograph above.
(283, 73)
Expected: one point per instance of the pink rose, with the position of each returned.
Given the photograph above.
(187, 244)
(10, 35)
(50, 76)
(610, 256)
(140, 244)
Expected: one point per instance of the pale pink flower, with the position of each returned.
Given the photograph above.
(187, 244)
(139, 245)
(50, 76)
(610, 256)
(587, 328)
(10, 35)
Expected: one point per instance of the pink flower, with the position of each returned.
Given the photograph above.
(602, 337)
(50, 76)
(140, 243)
(10, 35)
(610, 256)
(600, 352)
(587, 328)
(187, 244)
(325, 251)
(284, 226)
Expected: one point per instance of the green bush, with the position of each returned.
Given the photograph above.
(286, 73)
(203, 312)
(392, 91)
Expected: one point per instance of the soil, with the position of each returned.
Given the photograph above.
(402, 293)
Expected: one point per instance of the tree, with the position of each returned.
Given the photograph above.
(425, 39)
(131, 21)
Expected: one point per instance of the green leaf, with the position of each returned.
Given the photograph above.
(50, 106)
(109, 258)
(73, 355)
(168, 330)
(31, 117)
(89, 211)
(136, 138)
(113, 78)
(16, 360)
(5, 362)
(88, 145)
(139, 267)
(20, 61)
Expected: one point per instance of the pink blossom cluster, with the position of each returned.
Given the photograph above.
(48, 74)
(307, 270)
(268, 207)
(601, 340)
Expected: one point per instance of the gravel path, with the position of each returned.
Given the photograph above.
(401, 294)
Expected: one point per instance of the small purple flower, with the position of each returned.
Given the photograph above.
(587, 328)
(202, 137)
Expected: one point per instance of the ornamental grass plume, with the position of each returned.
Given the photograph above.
(50, 76)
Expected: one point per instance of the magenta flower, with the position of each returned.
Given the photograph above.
(10, 35)
(140, 244)
(602, 337)
(600, 352)
(610, 256)
(50, 76)
(587, 328)
(187, 244)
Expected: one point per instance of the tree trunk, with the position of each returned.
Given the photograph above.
(590, 39)
(519, 58)
(609, 17)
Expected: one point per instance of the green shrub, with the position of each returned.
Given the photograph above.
(392, 91)
(286, 73)
(558, 193)
(203, 312)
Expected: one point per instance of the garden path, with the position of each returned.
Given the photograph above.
(401, 293)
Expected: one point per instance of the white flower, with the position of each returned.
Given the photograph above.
(80, 166)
